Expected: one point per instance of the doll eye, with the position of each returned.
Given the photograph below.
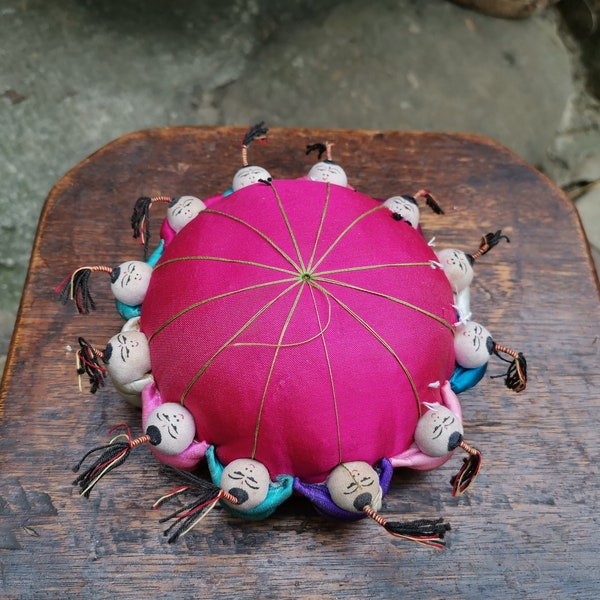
(352, 487)
(256, 485)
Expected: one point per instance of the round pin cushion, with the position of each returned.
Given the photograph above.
(301, 325)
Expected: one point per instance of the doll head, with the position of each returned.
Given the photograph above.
(328, 172)
(438, 431)
(127, 357)
(130, 280)
(129, 284)
(182, 210)
(247, 480)
(473, 345)
(404, 208)
(248, 175)
(457, 267)
(171, 428)
(354, 485)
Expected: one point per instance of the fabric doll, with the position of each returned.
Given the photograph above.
(326, 170)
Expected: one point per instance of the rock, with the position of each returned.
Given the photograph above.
(513, 9)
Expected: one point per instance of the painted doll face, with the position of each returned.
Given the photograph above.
(404, 208)
(129, 358)
(183, 210)
(438, 431)
(171, 427)
(457, 267)
(131, 280)
(473, 345)
(353, 485)
(246, 479)
(248, 175)
(328, 172)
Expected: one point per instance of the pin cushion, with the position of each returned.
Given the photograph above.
(299, 336)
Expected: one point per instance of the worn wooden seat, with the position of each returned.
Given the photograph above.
(528, 527)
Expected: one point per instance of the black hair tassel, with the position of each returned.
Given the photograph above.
(515, 377)
(429, 532)
(322, 148)
(257, 132)
(88, 363)
(112, 455)
(140, 219)
(430, 201)
(488, 241)
(76, 287)
(467, 474)
(319, 147)
(206, 497)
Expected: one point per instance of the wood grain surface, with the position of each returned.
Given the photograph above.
(527, 529)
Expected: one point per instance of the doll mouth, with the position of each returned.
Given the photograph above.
(239, 494)
(454, 440)
(362, 500)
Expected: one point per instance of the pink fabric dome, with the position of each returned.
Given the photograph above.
(301, 325)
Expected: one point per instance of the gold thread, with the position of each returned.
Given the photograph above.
(293, 344)
(380, 340)
(235, 335)
(391, 299)
(255, 230)
(368, 267)
(314, 283)
(213, 298)
(333, 392)
(275, 355)
(222, 259)
(346, 230)
(321, 225)
(288, 225)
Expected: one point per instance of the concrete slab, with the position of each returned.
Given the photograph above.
(408, 65)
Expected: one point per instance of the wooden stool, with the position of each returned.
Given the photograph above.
(528, 528)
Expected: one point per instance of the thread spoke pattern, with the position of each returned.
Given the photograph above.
(308, 283)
